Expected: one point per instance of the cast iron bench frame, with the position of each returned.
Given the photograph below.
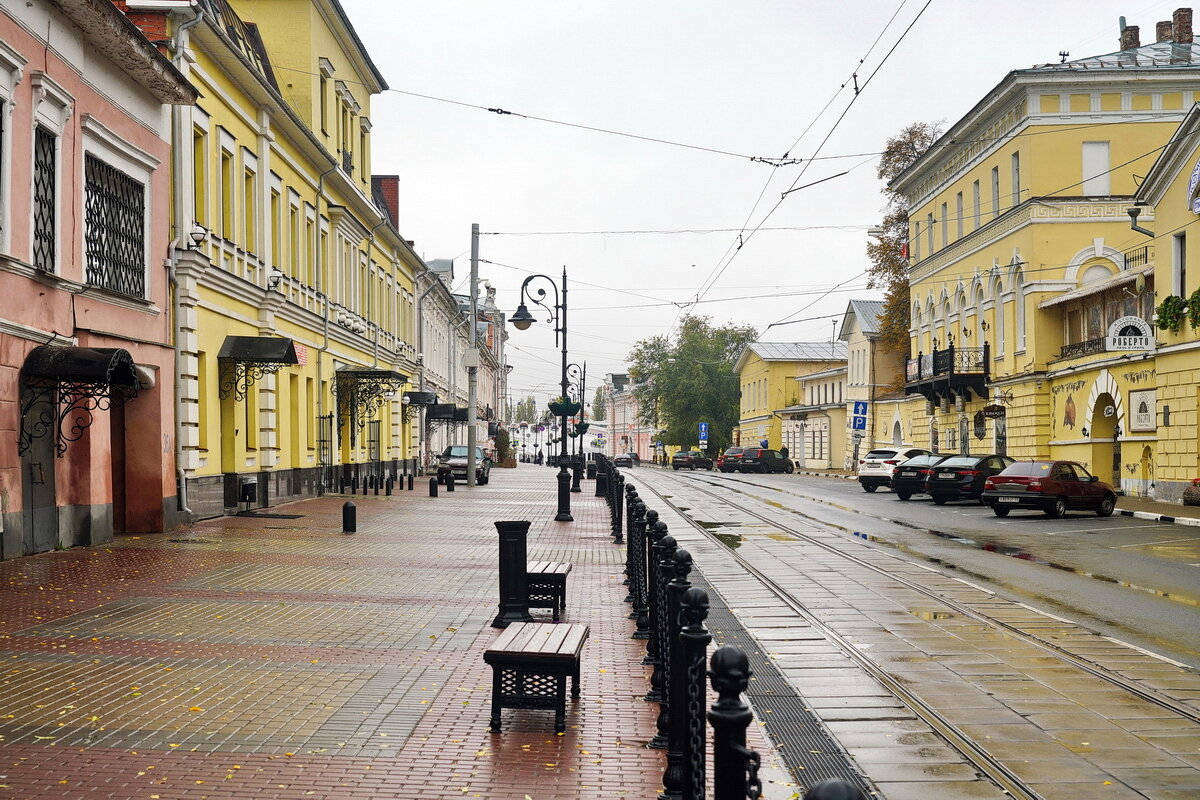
(530, 665)
(546, 585)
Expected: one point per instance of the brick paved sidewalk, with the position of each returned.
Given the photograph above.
(267, 657)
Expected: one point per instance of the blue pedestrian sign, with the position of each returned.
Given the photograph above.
(860, 408)
(858, 423)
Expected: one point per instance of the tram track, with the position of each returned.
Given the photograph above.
(977, 755)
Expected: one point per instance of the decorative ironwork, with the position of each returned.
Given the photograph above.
(66, 408)
(44, 180)
(948, 372)
(325, 449)
(237, 376)
(1078, 349)
(361, 393)
(1139, 256)
(695, 638)
(114, 229)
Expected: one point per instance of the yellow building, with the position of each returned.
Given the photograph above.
(1164, 414)
(293, 288)
(766, 373)
(870, 375)
(1032, 297)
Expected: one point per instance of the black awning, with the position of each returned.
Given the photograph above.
(370, 374)
(420, 398)
(440, 411)
(259, 349)
(460, 414)
(92, 365)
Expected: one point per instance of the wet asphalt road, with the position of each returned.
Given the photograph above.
(1133, 579)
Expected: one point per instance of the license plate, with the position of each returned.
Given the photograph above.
(908, 474)
(943, 476)
(1008, 499)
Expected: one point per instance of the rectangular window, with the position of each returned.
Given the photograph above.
(294, 243)
(251, 421)
(276, 228)
(1016, 179)
(199, 176)
(250, 211)
(324, 104)
(958, 215)
(945, 225)
(114, 229)
(226, 176)
(929, 232)
(975, 200)
(45, 181)
(916, 241)
(203, 381)
(295, 415)
(995, 192)
(310, 411)
(1179, 265)
(1096, 176)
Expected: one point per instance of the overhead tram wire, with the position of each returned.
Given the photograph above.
(804, 168)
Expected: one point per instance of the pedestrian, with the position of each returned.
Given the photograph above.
(538, 458)
(783, 451)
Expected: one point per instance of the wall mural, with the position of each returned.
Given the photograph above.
(1064, 404)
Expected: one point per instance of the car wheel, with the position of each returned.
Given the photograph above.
(790, 468)
(675, 468)
(1057, 508)
(1000, 512)
(903, 495)
(692, 466)
(940, 499)
(1107, 504)
(869, 487)
(763, 469)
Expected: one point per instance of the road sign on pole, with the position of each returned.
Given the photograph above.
(860, 408)
(858, 423)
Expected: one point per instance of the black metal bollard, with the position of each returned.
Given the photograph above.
(735, 769)
(514, 582)
(576, 474)
(693, 610)
(391, 481)
(410, 482)
(664, 573)
(377, 481)
(676, 685)
(641, 594)
(602, 482)
(655, 531)
(449, 481)
(637, 517)
(433, 492)
(349, 517)
(618, 507)
(631, 497)
(341, 485)
(833, 789)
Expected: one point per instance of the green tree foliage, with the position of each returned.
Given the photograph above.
(526, 410)
(688, 378)
(599, 404)
(889, 265)
(503, 448)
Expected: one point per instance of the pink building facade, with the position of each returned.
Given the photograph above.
(627, 432)
(86, 362)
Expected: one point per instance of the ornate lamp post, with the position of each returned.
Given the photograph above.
(521, 320)
(578, 378)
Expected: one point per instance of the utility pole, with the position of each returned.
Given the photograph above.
(472, 359)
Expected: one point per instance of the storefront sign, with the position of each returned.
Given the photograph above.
(1143, 405)
(995, 412)
(1129, 333)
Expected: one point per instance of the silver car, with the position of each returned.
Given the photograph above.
(875, 468)
(453, 461)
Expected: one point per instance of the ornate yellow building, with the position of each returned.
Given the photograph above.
(766, 375)
(1033, 300)
(293, 289)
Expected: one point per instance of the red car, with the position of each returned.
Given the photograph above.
(728, 461)
(1055, 487)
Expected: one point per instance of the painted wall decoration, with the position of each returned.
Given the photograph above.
(1143, 410)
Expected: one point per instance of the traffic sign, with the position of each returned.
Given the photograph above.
(858, 423)
(704, 444)
(860, 408)
(703, 432)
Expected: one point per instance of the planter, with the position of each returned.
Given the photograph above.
(565, 409)
(582, 427)
(1191, 496)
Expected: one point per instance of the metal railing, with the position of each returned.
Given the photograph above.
(951, 361)
(1139, 256)
(1078, 349)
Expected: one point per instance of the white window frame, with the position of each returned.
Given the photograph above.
(52, 109)
(12, 71)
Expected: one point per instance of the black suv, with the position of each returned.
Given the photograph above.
(912, 476)
(690, 459)
(756, 459)
(962, 477)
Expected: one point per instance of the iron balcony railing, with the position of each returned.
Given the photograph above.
(1078, 349)
(951, 361)
(1139, 256)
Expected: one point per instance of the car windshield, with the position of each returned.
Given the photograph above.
(1029, 468)
(922, 461)
(961, 461)
(460, 451)
(733, 451)
(881, 454)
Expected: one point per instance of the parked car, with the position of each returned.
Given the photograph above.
(625, 460)
(875, 468)
(757, 459)
(730, 459)
(1055, 487)
(453, 461)
(962, 477)
(911, 477)
(690, 459)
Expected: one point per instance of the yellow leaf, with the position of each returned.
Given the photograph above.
(195, 708)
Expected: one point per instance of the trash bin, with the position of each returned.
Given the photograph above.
(591, 470)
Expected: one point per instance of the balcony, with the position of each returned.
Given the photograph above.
(1078, 349)
(1139, 257)
(954, 371)
(348, 163)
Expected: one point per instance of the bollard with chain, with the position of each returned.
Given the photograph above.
(693, 611)
(676, 685)
(631, 497)
(637, 529)
(602, 478)
(664, 571)
(641, 593)
(619, 502)
(735, 768)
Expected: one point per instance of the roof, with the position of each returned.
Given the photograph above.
(799, 351)
(825, 373)
(866, 313)
(1166, 54)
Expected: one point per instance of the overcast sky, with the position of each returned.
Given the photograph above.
(751, 78)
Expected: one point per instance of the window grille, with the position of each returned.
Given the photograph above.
(114, 229)
(44, 237)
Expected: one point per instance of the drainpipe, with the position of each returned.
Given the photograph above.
(325, 323)
(177, 45)
(422, 444)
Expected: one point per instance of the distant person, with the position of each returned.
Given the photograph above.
(783, 451)
(538, 458)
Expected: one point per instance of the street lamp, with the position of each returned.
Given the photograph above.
(578, 377)
(521, 320)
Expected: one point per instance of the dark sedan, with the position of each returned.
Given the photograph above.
(962, 477)
(1054, 487)
(690, 459)
(912, 477)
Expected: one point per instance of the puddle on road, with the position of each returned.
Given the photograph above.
(711, 525)
(730, 540)
(929, 616)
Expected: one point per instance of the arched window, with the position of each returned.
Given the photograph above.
(998, 296)
(1019, 316)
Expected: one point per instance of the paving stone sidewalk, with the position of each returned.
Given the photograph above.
(273, 657)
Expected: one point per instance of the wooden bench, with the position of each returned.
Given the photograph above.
(547, 585)
(530, 665)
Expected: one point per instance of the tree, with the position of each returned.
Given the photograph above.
(888, 250)
(526, 410)
(503, 447)
(686, 379)
(599, 404)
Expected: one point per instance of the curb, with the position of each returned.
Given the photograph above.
(1160, 517)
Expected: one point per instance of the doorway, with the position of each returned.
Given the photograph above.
(116, 421)
(37, 472)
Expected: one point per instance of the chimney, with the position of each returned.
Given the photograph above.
(388, 187)
(1129, 38)
(1182, 24)
(1164, 32)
